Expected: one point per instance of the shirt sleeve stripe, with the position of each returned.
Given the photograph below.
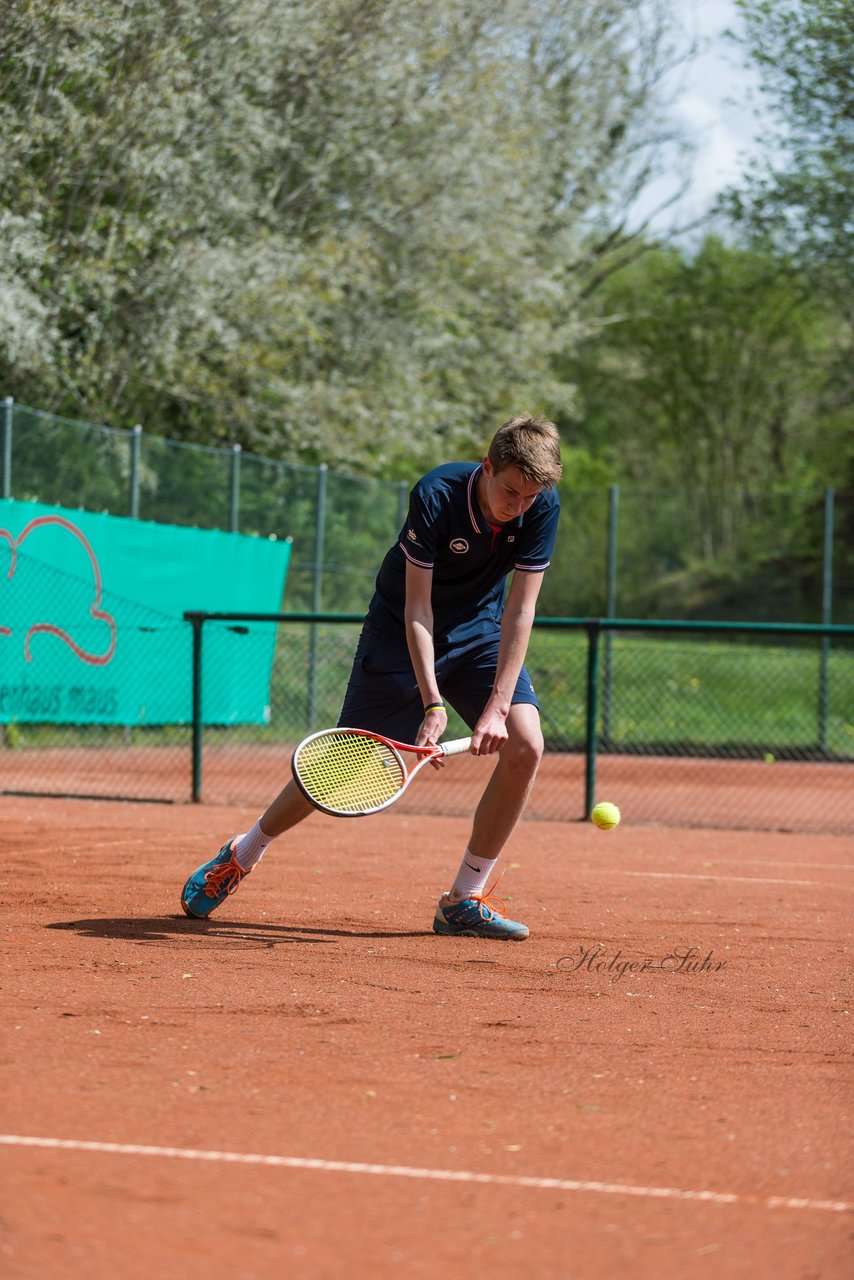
(532, 568)
(422, 564)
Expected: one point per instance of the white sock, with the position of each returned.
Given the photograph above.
(249, 848)
(473, 875)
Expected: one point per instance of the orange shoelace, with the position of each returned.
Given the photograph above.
(491, 900)
(226, 876)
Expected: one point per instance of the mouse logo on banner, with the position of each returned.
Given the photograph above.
(47, 624)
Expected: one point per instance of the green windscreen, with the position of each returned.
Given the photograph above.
(91, 618)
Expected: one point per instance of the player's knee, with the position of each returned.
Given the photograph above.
(524, 752)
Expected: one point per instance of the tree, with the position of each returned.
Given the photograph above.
(327, 229)
(703, 386)
(127, 148)
(706, 365)
(799, 203)
(800, 198)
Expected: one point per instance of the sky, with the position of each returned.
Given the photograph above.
(712, 106)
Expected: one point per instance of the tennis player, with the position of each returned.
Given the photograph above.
(438, 629)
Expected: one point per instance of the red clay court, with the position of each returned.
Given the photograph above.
(750, 794)
(312, 1084)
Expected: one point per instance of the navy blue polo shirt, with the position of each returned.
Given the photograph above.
(446, 531)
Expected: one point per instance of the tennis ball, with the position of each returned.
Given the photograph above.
(605, 816)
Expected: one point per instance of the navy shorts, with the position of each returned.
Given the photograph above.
(383, 695)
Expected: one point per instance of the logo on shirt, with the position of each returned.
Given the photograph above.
(511, 537)
(410, 533)
(459, 545)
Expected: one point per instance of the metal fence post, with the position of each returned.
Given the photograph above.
(593, 629)
(317, 589)
(826, 617)
(197, 622)
(611, 604)
(135, 455)
(234, 489)
(8, 406)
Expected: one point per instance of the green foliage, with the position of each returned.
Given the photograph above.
(800, 199)
(797, 203)
(706, 368)
(362, 234)
(322, 229)
(726, 370)
(705, 387)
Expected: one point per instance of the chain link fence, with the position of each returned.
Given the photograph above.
(84, 719)
(737, 555)
(719, 726)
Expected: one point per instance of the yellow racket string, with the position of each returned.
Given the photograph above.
(348, 772)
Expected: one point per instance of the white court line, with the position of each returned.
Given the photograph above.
(86, 845)
(767, 862)
(814, 866)
(710, 875)
(437, 1175)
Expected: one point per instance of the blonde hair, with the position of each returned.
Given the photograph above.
(530, 443)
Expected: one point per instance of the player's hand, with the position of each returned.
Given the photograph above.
(432, 727)
(490, 733)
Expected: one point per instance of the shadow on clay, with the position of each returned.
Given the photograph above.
(164, 928)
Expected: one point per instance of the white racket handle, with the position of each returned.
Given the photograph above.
(456, 747)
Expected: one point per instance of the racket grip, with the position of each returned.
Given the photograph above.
(456, 747)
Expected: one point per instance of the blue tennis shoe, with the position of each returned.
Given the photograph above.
(211, 884)
(476, 917)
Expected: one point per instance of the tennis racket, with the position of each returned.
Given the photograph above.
(352, 772)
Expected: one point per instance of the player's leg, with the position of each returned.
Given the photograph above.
(382, 695)
(212, 882)
(507, 791)
(466, 908)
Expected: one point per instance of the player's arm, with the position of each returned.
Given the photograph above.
(418, 618)
(490, 732)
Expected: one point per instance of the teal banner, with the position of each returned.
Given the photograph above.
(91, 618)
